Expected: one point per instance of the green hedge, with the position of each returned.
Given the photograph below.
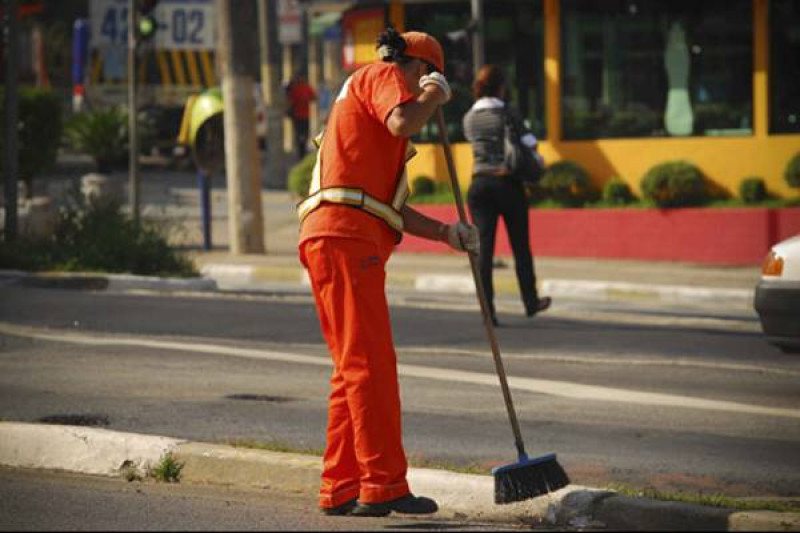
(39, 131)
(675, 184)
(753, 190)
(566, 183)
(423, 186)
(300, 175)
(97, 237)
(617, 192)
(792, 172)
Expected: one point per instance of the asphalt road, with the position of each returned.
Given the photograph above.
(47, 501)
(625, 396)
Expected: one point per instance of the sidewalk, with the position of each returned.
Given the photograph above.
(171, 198)
(462, 497)
(449, 272)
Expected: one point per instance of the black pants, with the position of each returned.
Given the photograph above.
(300, 136)
(490, 197)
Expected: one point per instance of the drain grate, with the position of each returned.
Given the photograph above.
(76, 420)
(258, 398)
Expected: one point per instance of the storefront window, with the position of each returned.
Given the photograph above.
(513, 39)
(784, 75)
(647, 68)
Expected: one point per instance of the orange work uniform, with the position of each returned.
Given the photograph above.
(345, 250)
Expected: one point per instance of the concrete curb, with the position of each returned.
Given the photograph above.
(250, 277)
(461, 496)
(110, 282)
(597, 290)
(244, 277)
(80, 449)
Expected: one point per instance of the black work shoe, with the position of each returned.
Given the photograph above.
(542, 304)
(408, 504)
(340, 510)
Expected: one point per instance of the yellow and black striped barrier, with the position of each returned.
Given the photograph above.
(166, 67)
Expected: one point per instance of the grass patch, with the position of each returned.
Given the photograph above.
(130, 474)
(168, 470)
(709, 500)
(414, 461)
(273, 446)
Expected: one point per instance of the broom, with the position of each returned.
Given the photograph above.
(526, 478)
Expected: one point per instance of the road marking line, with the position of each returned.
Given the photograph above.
(563, 389)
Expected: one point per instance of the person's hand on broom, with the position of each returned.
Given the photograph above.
(463, 237)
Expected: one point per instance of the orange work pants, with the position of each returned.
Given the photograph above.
(364, 456)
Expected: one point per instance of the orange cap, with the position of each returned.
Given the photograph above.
(422, 46)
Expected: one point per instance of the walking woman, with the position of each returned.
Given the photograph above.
(494, 193)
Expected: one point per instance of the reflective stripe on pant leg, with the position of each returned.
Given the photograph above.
(358, 318)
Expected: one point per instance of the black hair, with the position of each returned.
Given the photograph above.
(392, 47)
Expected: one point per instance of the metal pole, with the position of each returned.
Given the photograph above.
(204, 184)
(272, 95)
(133, 133)
(11, 107)
(477, 36)
(242, 165)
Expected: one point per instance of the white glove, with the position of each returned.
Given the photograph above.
(438, 79)
(463, 237)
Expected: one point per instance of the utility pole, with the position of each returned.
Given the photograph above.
(133, 129)
(11, 108)
(477, 36)
(272, 94)
(245, 219)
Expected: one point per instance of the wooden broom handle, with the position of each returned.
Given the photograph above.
(487, 320)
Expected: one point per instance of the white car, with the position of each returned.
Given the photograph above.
(777, 298)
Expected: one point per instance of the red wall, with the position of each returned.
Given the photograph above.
(719, 236)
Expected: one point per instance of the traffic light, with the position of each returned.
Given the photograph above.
(147, 26)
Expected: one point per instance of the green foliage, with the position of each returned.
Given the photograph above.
(39, 131)
(99, 237)
(423, 185)
(617, 192)
(101, 134)
(709, 500)
(753, 190)
(168, 470)
(426, 190)
(792, 172)
(300, 175)
(675, 184)
(566, 183)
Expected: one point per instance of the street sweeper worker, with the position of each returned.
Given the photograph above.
(353, 217)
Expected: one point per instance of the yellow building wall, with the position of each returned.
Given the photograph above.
(724, 160)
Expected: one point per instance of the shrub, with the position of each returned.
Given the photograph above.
(101, 134)
(97, 236)
(753, 190)
(674, 184)
(567, 183)
(617, 192)
(39, 132)
(792, 172)
(300, 175)
(423, 185)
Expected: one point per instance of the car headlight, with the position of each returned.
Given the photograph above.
(773, 265)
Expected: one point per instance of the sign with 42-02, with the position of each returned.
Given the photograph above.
(182, 24)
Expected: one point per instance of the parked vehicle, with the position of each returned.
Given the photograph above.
(777, 298)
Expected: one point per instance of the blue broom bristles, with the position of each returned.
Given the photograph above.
(528, 478)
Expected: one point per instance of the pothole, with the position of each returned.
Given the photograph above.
(258, 398)
(90, 420)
